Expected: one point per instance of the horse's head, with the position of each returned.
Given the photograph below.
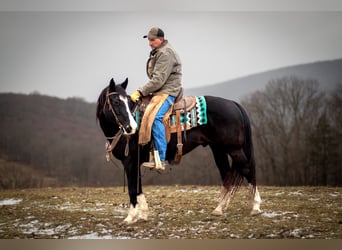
(113, 106)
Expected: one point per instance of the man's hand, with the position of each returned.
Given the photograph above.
(135, 96)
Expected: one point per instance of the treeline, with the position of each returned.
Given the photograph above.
(50, 142)
(297, 133)
(47, 141)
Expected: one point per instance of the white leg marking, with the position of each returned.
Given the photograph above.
(256, 201)
(132, 216)
(223, 203)
(142, 207)
(139, 212)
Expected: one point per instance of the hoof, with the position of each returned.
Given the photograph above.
(143, 217)
(256, 212)
(129, 221)
(217, 212)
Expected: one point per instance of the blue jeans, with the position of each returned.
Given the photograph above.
(158, 128)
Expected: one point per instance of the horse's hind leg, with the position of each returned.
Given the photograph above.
(240, 163)
(256, 200)
(221, 160)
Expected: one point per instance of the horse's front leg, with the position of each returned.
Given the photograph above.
(137, 211)
(132, 216)
(138, 205)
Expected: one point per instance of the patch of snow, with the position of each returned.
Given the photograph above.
(95, 235)
(9, 202)
(234, 236)
(92, 209)
(295, 193)
(120, 210)
(191, 191)
(334, 194)
(314, 199)
(189, 212)
(62, 228)
(310, 236)
(42, 228)
(251, 236)
(271, 235)
(90, 236)
(295, 232)
(273, 214)
(173, 236)
(29, 228)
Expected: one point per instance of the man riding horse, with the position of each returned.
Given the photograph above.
(164, 70)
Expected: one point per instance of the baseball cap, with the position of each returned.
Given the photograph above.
(154, 32)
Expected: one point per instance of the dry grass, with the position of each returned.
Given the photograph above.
(175, 212)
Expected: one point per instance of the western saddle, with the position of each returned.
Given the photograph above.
(181, 106)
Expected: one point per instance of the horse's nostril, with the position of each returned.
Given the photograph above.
(128, 129)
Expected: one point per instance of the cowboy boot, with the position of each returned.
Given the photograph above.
(156, 162)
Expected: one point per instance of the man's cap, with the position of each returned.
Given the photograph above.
(155, 32)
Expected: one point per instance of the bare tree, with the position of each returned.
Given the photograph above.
(281, 116)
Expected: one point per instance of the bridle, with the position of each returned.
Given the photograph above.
(115, 139)
(110, 106)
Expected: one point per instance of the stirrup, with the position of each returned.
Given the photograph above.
(149, 164)
(155, 162)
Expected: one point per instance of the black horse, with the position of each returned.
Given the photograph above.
(227, 132)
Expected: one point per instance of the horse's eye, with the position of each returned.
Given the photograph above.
(116, 102)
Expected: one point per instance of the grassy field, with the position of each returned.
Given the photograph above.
(175, 212)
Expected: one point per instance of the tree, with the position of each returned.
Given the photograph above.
(281, 116)
(321, 153)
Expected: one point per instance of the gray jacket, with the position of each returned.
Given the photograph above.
(164, 69)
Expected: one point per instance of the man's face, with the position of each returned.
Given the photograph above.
(155, 42)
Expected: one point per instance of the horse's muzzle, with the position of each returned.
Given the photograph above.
(128, 130)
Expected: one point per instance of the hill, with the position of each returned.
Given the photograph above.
(48, 141)
(327, 73)
(53, 138)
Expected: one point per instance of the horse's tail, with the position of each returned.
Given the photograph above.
(235, 178)
(248, 147)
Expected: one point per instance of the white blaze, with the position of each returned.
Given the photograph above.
(132, 121)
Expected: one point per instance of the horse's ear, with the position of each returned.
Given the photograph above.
(112, 84)
(124, 84)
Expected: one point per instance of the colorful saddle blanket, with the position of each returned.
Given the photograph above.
(190, 117)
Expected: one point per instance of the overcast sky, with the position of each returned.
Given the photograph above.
(69, 54)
